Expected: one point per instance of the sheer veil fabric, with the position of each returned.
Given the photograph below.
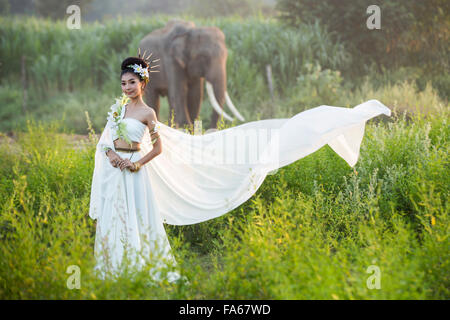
(200, 177)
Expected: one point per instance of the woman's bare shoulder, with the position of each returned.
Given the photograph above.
(150, 115)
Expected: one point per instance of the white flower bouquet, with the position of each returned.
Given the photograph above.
(114, 116)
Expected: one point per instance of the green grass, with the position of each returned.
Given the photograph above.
(311, 230)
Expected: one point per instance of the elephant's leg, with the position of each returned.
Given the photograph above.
(178, 101)
(214, 119)
(195, 97)
(171, 115)
(177, 82)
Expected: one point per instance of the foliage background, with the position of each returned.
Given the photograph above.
(313, 228)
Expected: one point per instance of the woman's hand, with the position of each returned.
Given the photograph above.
(114, 158)
(126, 164)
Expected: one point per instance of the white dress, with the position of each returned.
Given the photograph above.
(201, 177)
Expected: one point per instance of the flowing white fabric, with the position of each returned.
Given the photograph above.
(200, 177)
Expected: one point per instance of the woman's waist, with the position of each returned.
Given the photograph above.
(122, 145)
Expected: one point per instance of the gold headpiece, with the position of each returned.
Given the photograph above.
(147, 59)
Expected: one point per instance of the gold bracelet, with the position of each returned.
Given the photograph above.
(137, 166)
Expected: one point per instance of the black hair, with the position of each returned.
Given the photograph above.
(130, 61)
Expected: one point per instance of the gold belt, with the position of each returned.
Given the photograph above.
(135, 147)
(127, 150)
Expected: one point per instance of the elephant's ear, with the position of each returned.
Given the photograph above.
(178, 45)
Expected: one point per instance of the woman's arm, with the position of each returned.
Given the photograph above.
(154, 137)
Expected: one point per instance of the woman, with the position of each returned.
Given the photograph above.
(122, 199)
(157, 174)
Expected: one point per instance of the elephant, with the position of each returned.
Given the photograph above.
(188, 56)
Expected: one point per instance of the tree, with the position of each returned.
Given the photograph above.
(207, 8)
(21, 6)
(406, 27)
(4, 7)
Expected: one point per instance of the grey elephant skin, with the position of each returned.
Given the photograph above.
(188, 55)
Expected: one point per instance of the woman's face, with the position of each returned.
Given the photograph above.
(131, 85)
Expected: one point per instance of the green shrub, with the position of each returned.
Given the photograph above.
(12, 104)
(315, 87)
(311, 231)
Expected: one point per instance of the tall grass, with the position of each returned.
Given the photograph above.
(311, 231)
(60, 60)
